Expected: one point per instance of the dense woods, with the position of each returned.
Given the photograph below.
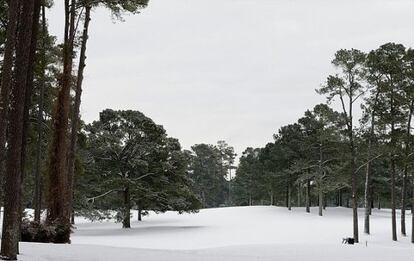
(355, 150)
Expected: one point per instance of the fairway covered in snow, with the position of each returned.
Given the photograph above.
(239, 233)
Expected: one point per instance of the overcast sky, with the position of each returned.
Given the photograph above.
(236, 70)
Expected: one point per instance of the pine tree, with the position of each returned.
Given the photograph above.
(13, 182)
(348, 87)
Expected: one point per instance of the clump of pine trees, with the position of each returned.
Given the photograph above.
(332, 157)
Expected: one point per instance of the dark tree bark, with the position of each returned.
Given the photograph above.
(272, 198)
(6, 81)
(58, 205)
(38, 178)
(308, 195)
(28, 100)
(76, 107)
(11, 221)
(379, 202)
(353, 173)
(405, 175)
(319, 181)
(289, 194)
(392, 161)
(340, 204)
(412, 216)
(126, 223)
(393, 203)
(368, 171)
(320, 201)
(139, 214)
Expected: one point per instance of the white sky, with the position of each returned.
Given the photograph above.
(236, 70)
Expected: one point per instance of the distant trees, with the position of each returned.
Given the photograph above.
(209, 167)
(304, 155)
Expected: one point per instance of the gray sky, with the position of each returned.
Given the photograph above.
(236, 70)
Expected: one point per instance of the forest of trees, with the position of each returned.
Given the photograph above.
(53, 162)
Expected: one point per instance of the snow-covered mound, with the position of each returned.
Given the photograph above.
(239, 233)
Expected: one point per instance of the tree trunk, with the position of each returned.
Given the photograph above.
(38, 178)
(6, 81)
(368, 181)
(367, 203)
(271, 198)
(11, 221)
(308, 195)
(405, 176)
(404, 200)
(76, 107)
(353, 173)
(340, 204)
(28, 101)
(379, 202)
(371, 199)
(392, 160)
(320, 193)
(393, 203)
(289, 195)
(126, 223)
(139, 214)
(412, 216)
(319, 181)
(58, 205)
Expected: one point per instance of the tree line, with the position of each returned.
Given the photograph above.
(336, 157)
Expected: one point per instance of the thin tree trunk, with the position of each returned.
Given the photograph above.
(371, 198)
(404, 200)
(367, 192)
(320, 200)
(38, 164)
(126, 223)
(353, 173)
(319, 181)
(393, 202)
(76, 107)
(139, 214)
(11, 221)
(412, 216)
(271, 198)
(405, 175)
(379, 202)
(308, 195)
(289, 195)
(340, 204)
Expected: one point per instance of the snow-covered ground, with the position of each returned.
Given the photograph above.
(239, 234)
